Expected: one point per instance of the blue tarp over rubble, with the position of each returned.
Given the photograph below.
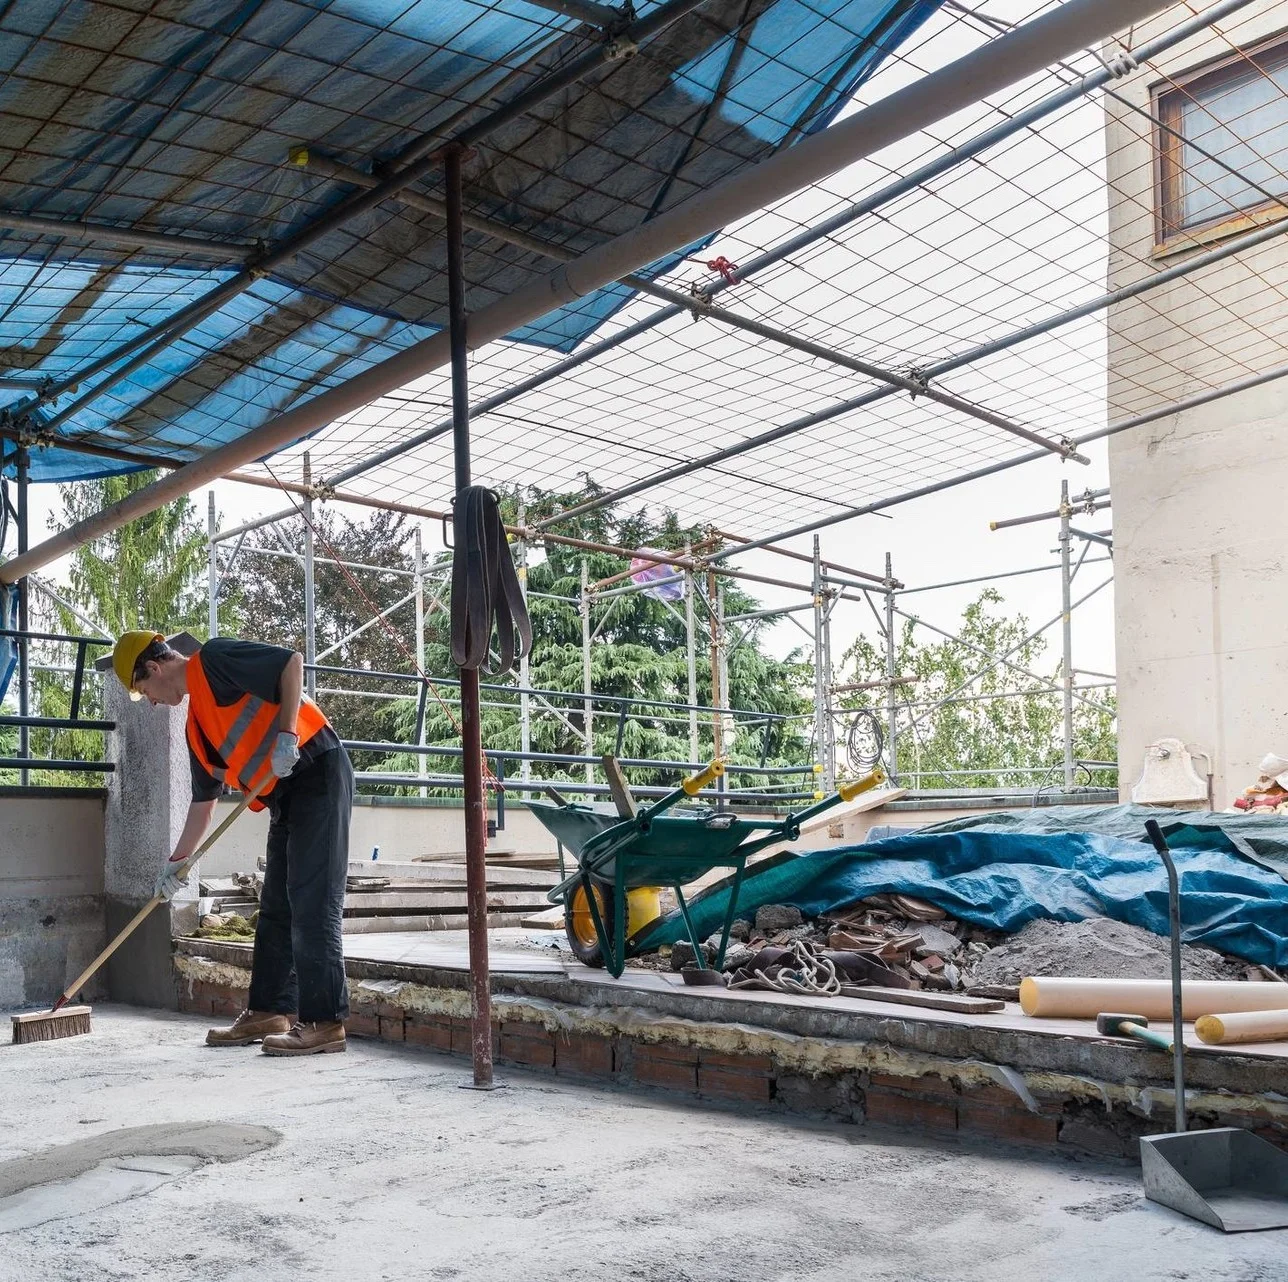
(1231, 898)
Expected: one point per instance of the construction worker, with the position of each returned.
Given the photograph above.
(249, 721)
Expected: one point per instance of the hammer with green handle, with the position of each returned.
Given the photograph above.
(1136, 1026)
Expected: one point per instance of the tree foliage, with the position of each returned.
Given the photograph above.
(1003, 729)
(269, 594)
(638, 653)
(148, 573)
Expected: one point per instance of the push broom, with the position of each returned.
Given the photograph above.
(70, 1021)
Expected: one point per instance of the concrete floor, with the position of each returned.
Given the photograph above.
(385, 1170)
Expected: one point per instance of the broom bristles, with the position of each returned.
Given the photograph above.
(47, 1026)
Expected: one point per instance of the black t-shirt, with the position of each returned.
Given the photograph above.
(237, 668)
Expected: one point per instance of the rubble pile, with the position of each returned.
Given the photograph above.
(899, 941)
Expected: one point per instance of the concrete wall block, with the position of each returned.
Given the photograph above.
(839, 1096)
(895, 1108)
(45, 944)
(362, 1023)
(670, 1066)
(527, 1044)
(729, 1083)
(584, 1055)
(1014, 1124)
(430, 1031)
(393, 1022)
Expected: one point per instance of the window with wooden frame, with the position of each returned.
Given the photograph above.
(1227, 116)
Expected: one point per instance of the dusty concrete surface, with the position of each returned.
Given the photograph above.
(386, 1170)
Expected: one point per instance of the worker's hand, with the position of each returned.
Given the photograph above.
(172, 876)
(286, 752)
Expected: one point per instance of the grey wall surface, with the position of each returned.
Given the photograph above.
(51, 893)
(147, 803)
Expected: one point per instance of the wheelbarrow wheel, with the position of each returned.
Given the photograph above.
(580, 925)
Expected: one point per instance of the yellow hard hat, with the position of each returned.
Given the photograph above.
(126, 655)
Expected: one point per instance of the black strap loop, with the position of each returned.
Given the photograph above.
(485, 587)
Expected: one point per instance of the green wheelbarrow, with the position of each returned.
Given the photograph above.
(623, 862)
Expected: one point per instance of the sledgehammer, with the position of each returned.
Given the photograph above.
(1136, 1026)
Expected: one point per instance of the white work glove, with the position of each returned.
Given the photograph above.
(286, 752)
(173, 875)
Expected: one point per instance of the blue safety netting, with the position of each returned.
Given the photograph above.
(182, 121)
(1003, 880)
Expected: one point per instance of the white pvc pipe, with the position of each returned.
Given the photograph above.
(1068, 998)
(1027, 50)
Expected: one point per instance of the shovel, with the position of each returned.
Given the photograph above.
(1226, 1177)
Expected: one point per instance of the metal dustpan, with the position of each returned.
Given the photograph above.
(1226, 1177)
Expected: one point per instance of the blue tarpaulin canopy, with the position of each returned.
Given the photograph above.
(183, 120)
(1003, 876)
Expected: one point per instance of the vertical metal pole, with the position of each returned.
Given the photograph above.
(722, 653)
(471, 711)
(691, 656)
(212, 568)
(1066, 591)
(586, 686)
(820, 677)
(829, 713)
(418, 568)
(892, 705)
(310, 600)
(717, 702)
(24, 655)
(525, 671)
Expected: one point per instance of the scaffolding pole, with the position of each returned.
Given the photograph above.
(525, 673)
(212, 568)
(892, 658)
(691, 657)
(418, 565)
(23, 463)
(310, 598)
(820, 677)
(722, 659)
(1066, 632)
(587, 686)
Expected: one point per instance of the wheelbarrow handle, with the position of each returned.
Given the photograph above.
(846, 792)
(689, 788)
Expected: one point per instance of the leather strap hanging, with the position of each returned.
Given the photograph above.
(485, 587)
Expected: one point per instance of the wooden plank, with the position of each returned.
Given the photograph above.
(548, 919)
(864, 801)
(618, 788)
(449, 921)
(438, 901)
(452, 874)
(958, 1002)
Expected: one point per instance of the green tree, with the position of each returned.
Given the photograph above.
(1004, 729)
(269, 590)
(638, 652)
(148, 573)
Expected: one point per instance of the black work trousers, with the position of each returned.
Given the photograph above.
(299, 960)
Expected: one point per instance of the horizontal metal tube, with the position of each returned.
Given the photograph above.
(130, 237)
(57, 723)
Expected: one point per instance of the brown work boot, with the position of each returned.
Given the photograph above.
(307, 1039)
(250, 1026)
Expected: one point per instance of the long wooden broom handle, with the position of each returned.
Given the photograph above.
(137, 919)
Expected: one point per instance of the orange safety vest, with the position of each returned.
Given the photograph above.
(241, 733)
